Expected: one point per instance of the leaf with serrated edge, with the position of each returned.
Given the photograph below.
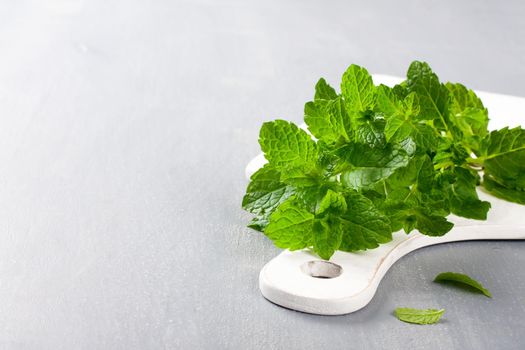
(290, 226)
(433, 96)
(364, 226)
(371, 164)
(323, 91)
(327, 236)
(265, 191)
(358, 89)
(285, 145)
(467, 111)
(326, 120)
(503, 157)
(500, 191)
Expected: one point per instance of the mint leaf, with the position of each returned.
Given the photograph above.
(259, 222)
(462, 279)
(264, 193)
(368, 165)
(327, 236)
(287, 146)
(327, 226)
(290, 226)
(464, 200)
(358, 89)
(500, 191)
(364, 226)
(327, 119)
(468, 114)
(433, 96)
(503, 157)
(323, 91)
(419, 316)
(370, 131)
(388, 102)
(334, 202)
(402, 119)
(431, 225)
(414, 199)
(450, 154)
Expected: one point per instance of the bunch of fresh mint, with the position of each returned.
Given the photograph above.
(380, 160)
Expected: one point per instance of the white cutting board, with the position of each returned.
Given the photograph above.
(351, 279)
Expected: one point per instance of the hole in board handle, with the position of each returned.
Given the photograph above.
(321, 269)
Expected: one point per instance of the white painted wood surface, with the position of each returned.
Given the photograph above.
(284, 281)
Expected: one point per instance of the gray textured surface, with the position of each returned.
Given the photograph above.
(125, 128)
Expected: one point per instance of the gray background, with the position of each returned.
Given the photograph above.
(124, 132)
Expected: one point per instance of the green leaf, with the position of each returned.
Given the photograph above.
(358, 89)
(370, 131)
(433, 96)
(500, 191)
(468, 113)
(287, 146)
(462, 279)
(402, 119)
(327, 120)
(327, 236)
(265, 191)
(300, 176)
(259, 222)
(419, 171)
(503, 157)
(364, 226)
(398, 128)
(333, 201)
(323, 91)
(369, 165)
(388, 102)
(450, 154)
(290, 226)
(464, 200)
(432, 225)
(419, 316)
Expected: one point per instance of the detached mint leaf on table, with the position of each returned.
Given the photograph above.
(462, 279)
(380, 159)
(419, 316)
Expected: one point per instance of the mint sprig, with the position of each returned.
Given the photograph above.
(381, 159)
